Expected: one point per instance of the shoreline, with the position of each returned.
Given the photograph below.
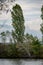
(19, 58)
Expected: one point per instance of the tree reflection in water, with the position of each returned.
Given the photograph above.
(17, 62)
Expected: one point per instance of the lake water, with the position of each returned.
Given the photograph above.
(20, 62)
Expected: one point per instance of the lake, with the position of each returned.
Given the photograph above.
(20, 62)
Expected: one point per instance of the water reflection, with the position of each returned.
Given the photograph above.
(20, 62)
(17, 62)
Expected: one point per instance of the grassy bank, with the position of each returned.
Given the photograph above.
(17, 51)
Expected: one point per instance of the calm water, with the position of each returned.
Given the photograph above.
(20, 62)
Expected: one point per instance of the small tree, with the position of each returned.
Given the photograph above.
(3, 36)
(42, 23)
(18, 24)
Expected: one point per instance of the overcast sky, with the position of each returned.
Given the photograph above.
(32, 11)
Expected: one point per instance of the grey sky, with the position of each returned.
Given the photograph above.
(32, 11)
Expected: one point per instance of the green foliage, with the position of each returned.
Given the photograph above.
(42, 23)
(41, 51)
(3, 36)
(17, 23)
(36, 47)
(33, 45)
(42, 12)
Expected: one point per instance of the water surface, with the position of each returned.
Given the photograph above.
(20, 62)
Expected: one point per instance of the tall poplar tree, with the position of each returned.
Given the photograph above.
(42, 23)
(18, 24)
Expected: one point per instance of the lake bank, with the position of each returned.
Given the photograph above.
(17, 51)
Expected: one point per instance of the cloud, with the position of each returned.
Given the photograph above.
(32, 13)
(5, 16)
(33, 24)
(34, 1)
